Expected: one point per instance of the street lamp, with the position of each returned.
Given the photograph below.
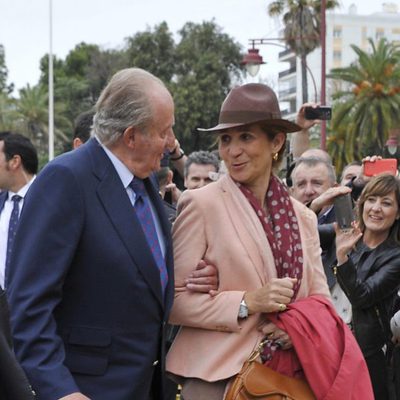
(391, 145)
(252, 60)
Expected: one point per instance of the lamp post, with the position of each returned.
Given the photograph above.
(253, 60)
(323, 70)
(51, 89)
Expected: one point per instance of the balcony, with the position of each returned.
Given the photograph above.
(287, 72)
(286, 55)
(287, 93)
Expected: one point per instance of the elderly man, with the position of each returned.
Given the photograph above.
(91, 276)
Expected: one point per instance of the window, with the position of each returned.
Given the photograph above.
(337, 32)
(337, 55)
(379, 34)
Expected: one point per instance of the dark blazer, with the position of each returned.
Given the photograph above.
(13, 382)
(87, 309)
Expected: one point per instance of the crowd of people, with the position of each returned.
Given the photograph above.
(129, 269)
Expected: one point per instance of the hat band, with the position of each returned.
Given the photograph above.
(245, 117)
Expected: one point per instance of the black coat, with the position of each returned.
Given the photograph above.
(13, 382)
(371, 287)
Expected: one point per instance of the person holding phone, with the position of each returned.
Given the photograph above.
(368, 271)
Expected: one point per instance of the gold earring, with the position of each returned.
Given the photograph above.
(275, 157)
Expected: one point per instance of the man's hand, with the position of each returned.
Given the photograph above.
(301, 119)
(75, 396)
(326, 199)
(204, 279)
(175, 192)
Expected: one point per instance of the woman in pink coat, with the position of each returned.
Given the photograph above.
(264, 244)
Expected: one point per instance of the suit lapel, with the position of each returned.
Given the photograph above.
(116, 203)
(3, 198)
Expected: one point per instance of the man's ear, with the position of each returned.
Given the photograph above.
(15, 162)
(129, 136)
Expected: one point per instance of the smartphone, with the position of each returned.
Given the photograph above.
(320, 112)
(385, 165)
(344, 211)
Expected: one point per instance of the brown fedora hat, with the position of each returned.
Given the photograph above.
(250, 103)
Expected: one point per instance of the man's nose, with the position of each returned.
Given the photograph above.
(309, 189)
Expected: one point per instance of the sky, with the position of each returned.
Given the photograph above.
(24, 26)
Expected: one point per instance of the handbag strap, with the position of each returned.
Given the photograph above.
(257, 351)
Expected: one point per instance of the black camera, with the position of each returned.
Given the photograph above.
(320, 112)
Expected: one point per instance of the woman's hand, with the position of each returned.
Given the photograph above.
(280, 337)
(271, 296)
(346, 241)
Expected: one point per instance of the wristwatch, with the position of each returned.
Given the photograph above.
(243, 310)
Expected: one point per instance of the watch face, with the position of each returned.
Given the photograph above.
(243, 311)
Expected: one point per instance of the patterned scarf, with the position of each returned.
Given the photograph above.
(282, 231)
(281, 228)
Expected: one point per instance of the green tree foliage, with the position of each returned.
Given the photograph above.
(154, 51)
(208, 61)
(4, 87)
(302, 26)
(199, 70)
(368, 107)
(30, 117)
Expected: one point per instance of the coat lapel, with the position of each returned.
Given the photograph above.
(247, 227)
(119, 209)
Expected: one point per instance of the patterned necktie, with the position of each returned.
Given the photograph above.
(145, 216)
(12, 227)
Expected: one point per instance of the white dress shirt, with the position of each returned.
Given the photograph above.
(126, 177)
(5, 215)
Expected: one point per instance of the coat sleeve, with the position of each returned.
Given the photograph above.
(190, 240)
(378, 286)
(45, 244)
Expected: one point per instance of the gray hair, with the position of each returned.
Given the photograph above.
(124, 102)
(312, 162)
(201, 157)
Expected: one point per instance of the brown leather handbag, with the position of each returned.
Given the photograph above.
(258, 382)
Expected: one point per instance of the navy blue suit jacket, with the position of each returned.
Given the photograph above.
(87, 309)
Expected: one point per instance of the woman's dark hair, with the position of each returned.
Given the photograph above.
(381, 185)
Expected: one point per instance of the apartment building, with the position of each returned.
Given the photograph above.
(342, 30)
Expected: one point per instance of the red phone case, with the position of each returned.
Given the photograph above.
(385, 165)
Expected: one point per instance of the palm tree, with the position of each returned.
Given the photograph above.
(7, 106)
(31, 116)
(302, 21)
(369, 106)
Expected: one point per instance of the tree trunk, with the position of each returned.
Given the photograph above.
(304, 81)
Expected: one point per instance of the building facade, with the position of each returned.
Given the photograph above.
(342, 30)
